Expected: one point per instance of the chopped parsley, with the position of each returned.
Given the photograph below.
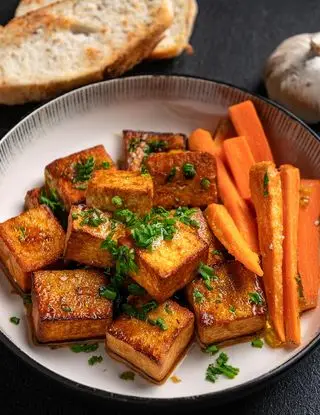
(135, 289)
(127, 375)
(205, 183)
(108, 292)
(257, 343)
(82, 186)
(220, 367)
(158, 322)
(171, 174)
(15, 320)
(94, 360)
(117, 201)
(27, 299)
(145, 234)
(51, 199)
(144, 171)
(198, 296)
(126, 216)
(255, 298)
(212, 349)
(123, 256)
(207, 274)
(189, 170)
(265, 184)
(105, 165)
(133, 145)
(184, 214)
(167, 308)
(232, 309)
(155, 146)
(66, 308)
(83, 170)
(91, 217)
(140, 313)
(217, 252)
(86, 348)
(22, 233)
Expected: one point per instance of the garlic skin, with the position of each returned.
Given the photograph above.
(292, 75)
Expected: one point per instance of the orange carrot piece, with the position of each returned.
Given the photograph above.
(224, 228)
(266, 193)
(237, 207)
(201, 140)
(247, 123)
(240, 160)
(290, 182)
(308, 242)
(224, 131)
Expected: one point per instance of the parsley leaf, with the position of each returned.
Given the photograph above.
(135, 289)
(146, 233)
(232, 309)
(117, 201)
(255, 298)
(127, 217)
(108, 292)
(155, 146)
(207, 274)
(51, 199)
(198, 296)
(265, 184)
(212, 349)
(220, 367)
(184, 215)
(171, 174)
(139, 312)
(86, 348)
(105, 165)
(133, 145)
(127, 375)
(15, 320)
(92, 217)
(83, 170)
(22, 233)
(205, 183)
(257, 343)
(94, 360)
(159, 322)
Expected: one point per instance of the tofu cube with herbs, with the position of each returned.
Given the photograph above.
(228, 303)
(138, 145)
(151, 339)
(68, 305)
(110, 191)
(87, 229)
(183, 179)
(168, 265)
(31, 241)
(69, 176)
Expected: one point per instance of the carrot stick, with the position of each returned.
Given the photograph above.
(247, 123)
(266, 193)
(224, 131)
(201, 140)
(290, 182)
(224, 228)
(308, 242)
(240, 160)
(237, 207)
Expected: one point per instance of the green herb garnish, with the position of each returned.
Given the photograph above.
(15, 320)
(159, 322)
(155, 146)
(232, 309)
(255, 298)
(207, 274)
(188, 171)
(217, 252)
(83, 170)
(22, 233)
(205, 183)
(83, 186)
(86, 348)
(141, 312)
(27, 299)
(92, 217)
(198, 296)
(51, 199)
(167, 309)
(265, 184)
(171, 174)
(108, 293)
(145, 234)
(123, 256)
(74, 216)
(105, 165)
(94, 360)
(66, 308)
(212, 349)
(133, 145)
(220, 367)
(184, 216)
(127, 375)
(135, 289)
(257, 343)
(143, 170)
(117, 201)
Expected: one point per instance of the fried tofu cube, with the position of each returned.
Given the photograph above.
(66, 305)
(140, 144)
(68, 176)
(120, 189)
(154, 346)
(234, 307)
(87, 229)
(170, 265)
(183, 179)
(29, 242)
(32, 198)
(216, 249)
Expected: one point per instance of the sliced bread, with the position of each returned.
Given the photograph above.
(75, 42)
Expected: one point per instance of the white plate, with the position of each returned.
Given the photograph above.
(96, 115)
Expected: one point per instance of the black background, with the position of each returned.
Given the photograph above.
(232, 40)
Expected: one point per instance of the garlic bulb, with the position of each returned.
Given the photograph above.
(292, 75)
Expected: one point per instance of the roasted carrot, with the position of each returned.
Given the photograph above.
(201, 140)
(290, 182)
(240, 160)
(224, 228)
(247, 123)
(237, 207)
(308, 243)
(266, 194)
(223, 131)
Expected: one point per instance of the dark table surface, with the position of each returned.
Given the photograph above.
(232, 40)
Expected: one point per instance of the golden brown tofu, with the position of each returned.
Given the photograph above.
(29, 242)
(216, 249)
(87, 229)
(32, 197)
(69, 176)
(66, 305)
(234, 307)
(170, 265)
(145, 346)
(183, 179)
(140, 144)
(120, 190)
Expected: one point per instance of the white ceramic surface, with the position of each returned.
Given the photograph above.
(96, 115)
